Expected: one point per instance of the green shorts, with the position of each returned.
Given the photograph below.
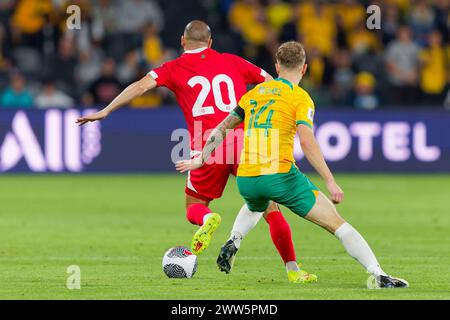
(293, 190)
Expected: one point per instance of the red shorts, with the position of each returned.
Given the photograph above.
(208, 182)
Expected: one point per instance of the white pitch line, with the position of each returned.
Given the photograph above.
(141, 258)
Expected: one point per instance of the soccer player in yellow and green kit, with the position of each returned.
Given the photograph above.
(273, 113)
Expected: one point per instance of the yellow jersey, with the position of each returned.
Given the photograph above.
(433, 76)
(272, 111)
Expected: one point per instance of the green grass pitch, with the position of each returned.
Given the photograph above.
(117, 227)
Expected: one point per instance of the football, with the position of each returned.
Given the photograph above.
(179, 262)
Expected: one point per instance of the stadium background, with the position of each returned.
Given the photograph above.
(119, 41)
(400, 71)
(382, 107)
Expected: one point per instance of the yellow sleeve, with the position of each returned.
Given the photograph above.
(304, 113)
(245, 100)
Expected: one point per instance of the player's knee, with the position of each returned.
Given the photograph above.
(335, 223)
(192, 201)
(272, 207)
(272, 214)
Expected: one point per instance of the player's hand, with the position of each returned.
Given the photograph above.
(92, 117)
(336, 193)
(188, 165)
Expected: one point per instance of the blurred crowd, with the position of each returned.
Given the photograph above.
(45, 64)
(406, 62)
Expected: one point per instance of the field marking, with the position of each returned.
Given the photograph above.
(138, 258)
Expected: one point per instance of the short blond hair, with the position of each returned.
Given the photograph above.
(291, 55)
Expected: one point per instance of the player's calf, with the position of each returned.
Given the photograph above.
(281, 235)
(196, 211)
(324, 214)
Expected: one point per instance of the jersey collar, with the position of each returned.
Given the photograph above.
(285, 82)
(196, 50)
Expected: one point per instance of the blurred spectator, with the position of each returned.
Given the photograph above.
(249, 22)
(340, 77)
(391, 22)
(316, 26)
(153, 47)
(135, 14)
(434, 69)
(4, 47)
(403, 5)
(247, 18)
(29, 18)
(16, 96)
(365, 97)
(6, 9)
(289, 31)
(361, 40)
(88, 68)
(442, 14)
(61, 66)
(351, 12)
(104, 14)
(278, 14)
(132, 18)
(50, 97)
(421, 19)
(128, 70)
(402, 65)
(106, 87)
(34, 39)
(105, 27)
(316, 68)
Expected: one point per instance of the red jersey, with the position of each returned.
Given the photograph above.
(207, 85)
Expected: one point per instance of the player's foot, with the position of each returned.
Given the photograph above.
(226, 256)
(202, 237)
(301, 276)
(384, 282)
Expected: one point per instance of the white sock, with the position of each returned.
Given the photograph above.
(206, 216)
(358, 248)
(236, 237)
(292, 266)
(245, 221)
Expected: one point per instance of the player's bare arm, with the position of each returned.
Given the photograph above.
(214, 140)
(134, 90)
(315, 157)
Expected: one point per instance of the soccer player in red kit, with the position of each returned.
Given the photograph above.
(207, 85)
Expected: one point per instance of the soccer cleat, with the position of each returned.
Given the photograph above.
(226, 256)
(301, 276)
(202, 237)
(386, 282)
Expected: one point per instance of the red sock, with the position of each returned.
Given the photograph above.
(280, 231)
(196, 212)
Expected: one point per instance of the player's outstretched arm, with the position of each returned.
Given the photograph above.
(134, 90)
(312, 152)
(214, 140)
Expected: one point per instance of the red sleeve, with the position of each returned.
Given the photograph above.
(251, 73)
(162, 75)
